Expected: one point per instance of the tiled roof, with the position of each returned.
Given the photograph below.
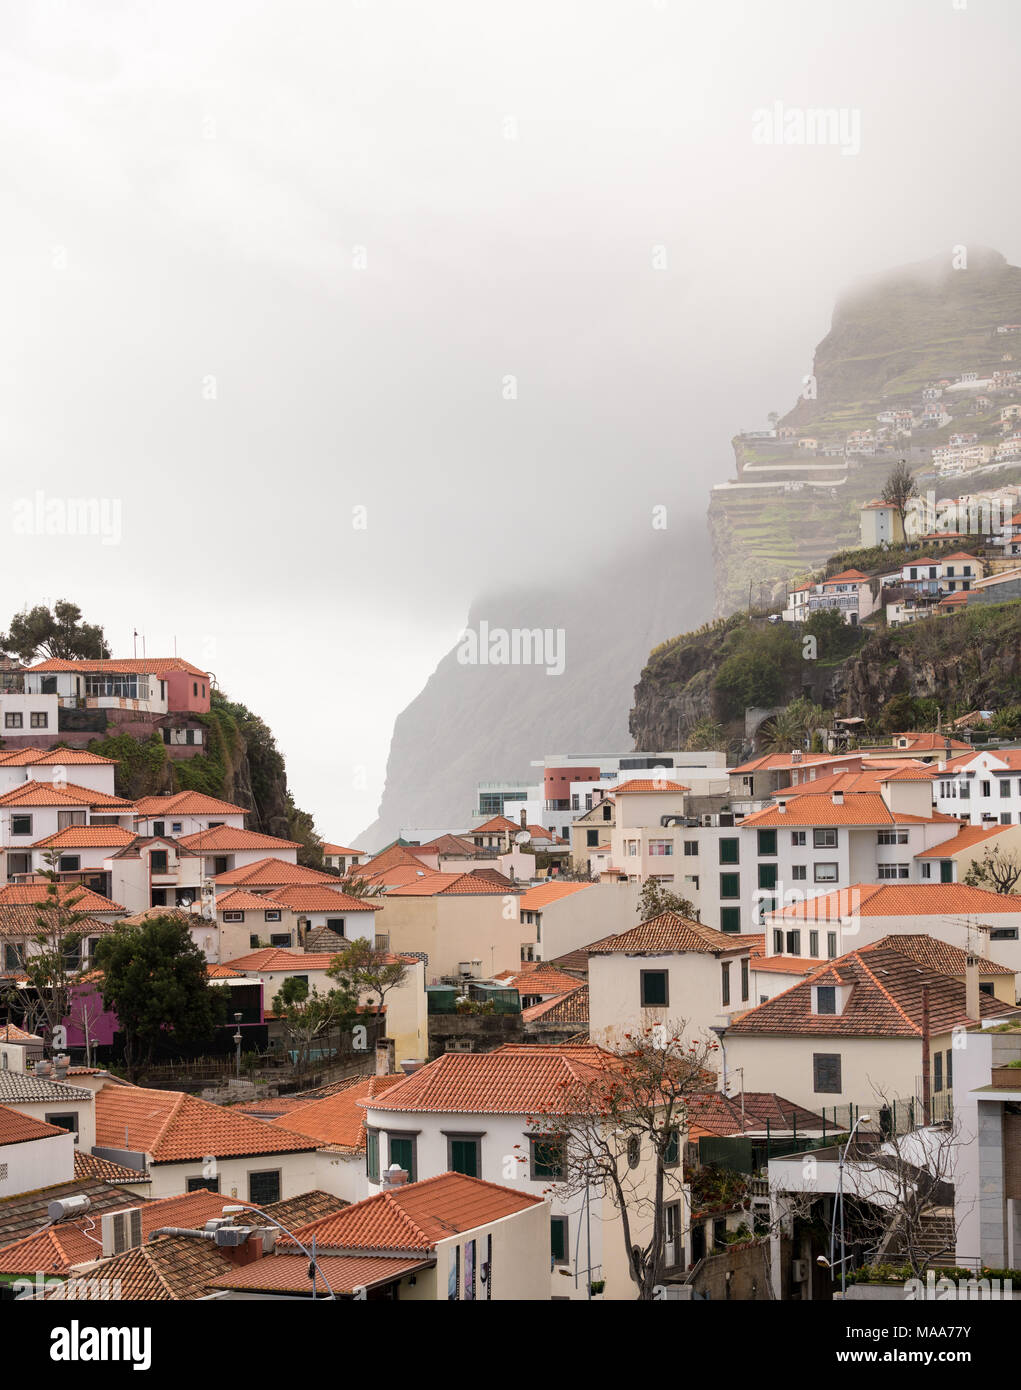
(395, 877)
(275, 1106)
(326, 940)
(844, 576)
(173, 1127)
(571, 1007)
(67, 794)
(182, 915)
(542, 978)
(717, 1114)
(339, 849)
(294, 1211)
(446, 844)
(22, 919)
(338, 1121)
(53, 757)
(22, 1088)
(270, 959)
(785, 965)
(24, 1213)
(939, 955)
(87, 837)
(187, 803)
(532, 1080)
(238, 900)
(966, 838)
(495, 824)
(271, 873)
(634, 785)
(541, 894)
(228, 837)
(83, 899)
(436, 885)
(772, 762)
(1011, 757)
(392, 857)
(414, 1217)
(11, 1033)
(344, 1273)
(140, 665)
(320, 897)
(884, 1000)
(215, 971)
(668, 931)
(16, 1128)
(901, 900)
(860, 808)
(577, 959)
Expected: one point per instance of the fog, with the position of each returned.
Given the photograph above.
(356, 309)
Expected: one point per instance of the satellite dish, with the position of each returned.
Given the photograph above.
(522, 837)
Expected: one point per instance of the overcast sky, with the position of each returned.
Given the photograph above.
(264, 264)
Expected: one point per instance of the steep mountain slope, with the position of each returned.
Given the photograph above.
(475, 723)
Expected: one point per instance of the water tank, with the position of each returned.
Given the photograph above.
(68, 1206)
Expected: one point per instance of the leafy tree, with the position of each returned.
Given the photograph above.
(362, 888)
(310, 1017)
(900, 712)
(705, 735)
(998, 869)
(759, 667)
(898, 490)
(155, 981)
(655, 898)
(294, 990)
(39, 632)
(55, 965)
(834, 638)
(792, 726)
(362, 968)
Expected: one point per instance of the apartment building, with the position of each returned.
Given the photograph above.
(983, 788)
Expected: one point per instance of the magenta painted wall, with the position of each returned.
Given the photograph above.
(102, 1026)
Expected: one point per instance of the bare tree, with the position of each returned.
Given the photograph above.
(898, 490)
(619, 1133)
(998, 869)
(56, 963)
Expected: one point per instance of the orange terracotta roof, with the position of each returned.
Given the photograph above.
(966, 838)
(785, 965)
(145, 665)
(339, 849)
(901, 900)
(217, 971)
(338, 1121)
(345, 1274)
(67, 794)
(187, 803)
(16, 1128)
(320, 897)
(173, 1127)
(392, 857)
(53, 757)
(272, 872)
(102, 1169)
(84, 899)
(238, 900)
(572, 1008)
(227, 837)
(530, 1080)
(11, 1033)
(435, 885)
(271, 959)
(542, 978)
(416, 1216)
(860, 808)
(644, 785)
(495, 824)
(844, 577)
(1009, 756)
(541, 894)
(87, 837)
(666, 932)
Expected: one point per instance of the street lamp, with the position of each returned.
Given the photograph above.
(237, 1041)
(314, 1264)
(842, 1262)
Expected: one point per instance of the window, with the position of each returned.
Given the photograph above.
(937, 1071)
(831, 945)
(950, 1068)
(559, 1241)
(233, 916)
(158, 861)
(634, 1151)
(159, 827)
(767, 875)
(547, 1157)
(1005, 818)
(591, 838)
(372, 1154)
(825, 873)
(1004, 789)
(271, 916)
(13, 721)
(892, 837)
(280, 939)
(985, 788)
(13, 955)
(177, 826)
(21, 825)
(730, 885)
(39, 720)
(798, 838)
(69, 863)
(691, 847)
(888, 871)
(824, 839)
(661, 847)
(926, 870)
(744, 979)
(402, 1151)
(264, 1187)
(219, 864)
(813, 943)
(793, 943)
(202, 1184)
(825, 999)
(826, 1073)
(68, 1122)
(799, 872)
(767, 842)
(672, 1152)
(464, 1154)
(655, 990)
(730, 919)
(66, 818)
(728, 851)
(253, 941)
(778, 942)
(725, 980)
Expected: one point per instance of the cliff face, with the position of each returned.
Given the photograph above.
(787, 508)
(474, 723)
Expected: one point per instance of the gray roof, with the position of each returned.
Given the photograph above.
(18, 1086)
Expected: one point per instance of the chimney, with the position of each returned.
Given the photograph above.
(972, 997)
(838, 798)
(781, 806)
(247, 1252)
(385, 1057)
(524, 820)
(395, 1176)
(60, 1065)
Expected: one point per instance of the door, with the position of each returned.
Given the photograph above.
(673, 1248)
(946, 871)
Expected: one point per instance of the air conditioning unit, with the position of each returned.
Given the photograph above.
(122, 1230)
(799, 1271)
